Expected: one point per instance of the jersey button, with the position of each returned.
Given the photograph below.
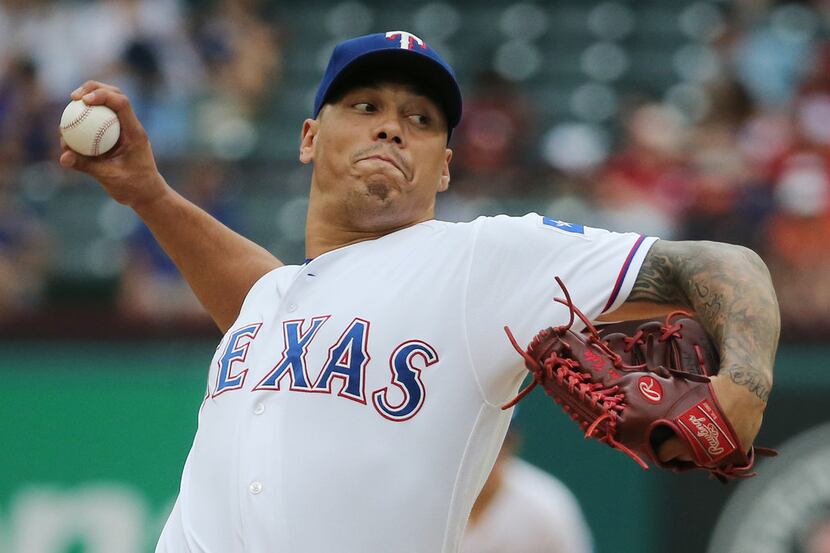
(255, 487)
(259, 409)
(291, 307)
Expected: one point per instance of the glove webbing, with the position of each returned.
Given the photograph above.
(594, 405)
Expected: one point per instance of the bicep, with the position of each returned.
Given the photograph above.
(658, 288)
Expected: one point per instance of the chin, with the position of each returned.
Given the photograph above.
(378, 190)
(374, 210)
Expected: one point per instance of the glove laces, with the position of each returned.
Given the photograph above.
(595, 408)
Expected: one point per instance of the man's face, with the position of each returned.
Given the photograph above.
(379, 155)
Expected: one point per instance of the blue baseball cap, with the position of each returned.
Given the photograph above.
(399, 50)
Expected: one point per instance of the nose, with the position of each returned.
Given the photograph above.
(389, 130)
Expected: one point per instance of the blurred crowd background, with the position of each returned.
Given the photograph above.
(683, 119)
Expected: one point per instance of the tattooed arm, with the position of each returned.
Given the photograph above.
(729, 289)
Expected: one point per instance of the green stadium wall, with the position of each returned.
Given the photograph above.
(94, 437)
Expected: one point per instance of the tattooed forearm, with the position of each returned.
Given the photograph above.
(712, 302)
(753, 381)
(730, 290)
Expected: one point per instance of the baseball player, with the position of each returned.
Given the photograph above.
(353, 404)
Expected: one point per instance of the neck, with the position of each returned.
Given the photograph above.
(330, 229)
(322, 236)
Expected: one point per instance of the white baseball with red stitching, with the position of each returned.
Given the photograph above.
(89, 130)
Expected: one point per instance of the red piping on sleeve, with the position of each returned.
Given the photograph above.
(623, 271)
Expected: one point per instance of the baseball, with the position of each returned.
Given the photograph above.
(89, 130)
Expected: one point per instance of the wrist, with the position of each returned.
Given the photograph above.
(732, 391)
(157, 192)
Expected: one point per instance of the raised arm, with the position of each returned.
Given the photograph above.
(218, 264)
(730, 290)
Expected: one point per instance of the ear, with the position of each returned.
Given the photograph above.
(445, 172)
(307, 139)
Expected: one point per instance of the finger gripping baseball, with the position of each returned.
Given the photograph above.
(629, 384)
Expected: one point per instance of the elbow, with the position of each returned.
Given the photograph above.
(753, 260)
(741, 258)
(758, 277)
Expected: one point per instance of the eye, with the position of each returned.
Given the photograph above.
(421, 120)
(365, 107)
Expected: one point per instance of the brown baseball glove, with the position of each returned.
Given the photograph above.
(634, 385)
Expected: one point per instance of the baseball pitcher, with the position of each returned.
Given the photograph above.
(354, 403)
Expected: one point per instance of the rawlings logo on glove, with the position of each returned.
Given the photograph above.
(634, 385)
(650, 389)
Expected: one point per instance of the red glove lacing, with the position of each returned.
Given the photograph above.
(588, 397)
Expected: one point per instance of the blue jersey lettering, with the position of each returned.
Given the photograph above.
(407, 378)
(347, 361)
(235, 352)
(293, 356)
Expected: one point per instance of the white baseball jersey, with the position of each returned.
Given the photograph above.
(532, 512)
(354, 405)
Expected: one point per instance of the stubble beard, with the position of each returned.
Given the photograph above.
(379, 190)
(372, 207)
(376, 193)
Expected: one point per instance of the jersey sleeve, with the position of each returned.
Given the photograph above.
(511, 282)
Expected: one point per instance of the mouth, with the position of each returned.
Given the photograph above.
(385, 159)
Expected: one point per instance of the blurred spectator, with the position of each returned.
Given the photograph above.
(240, 43)
(495, 138)
(27, 119)
(798, 242)
(727, 209)
(522, 509)
(162, 109)
(798, 234)
(647, 185)
(769, 55)
(23, 252)
(764, 139)
(575, 148)
(575, 153)
(74, 41)
(151, 287)
(731, 198)
(812, 105)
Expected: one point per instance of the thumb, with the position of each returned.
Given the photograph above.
(73, 160)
